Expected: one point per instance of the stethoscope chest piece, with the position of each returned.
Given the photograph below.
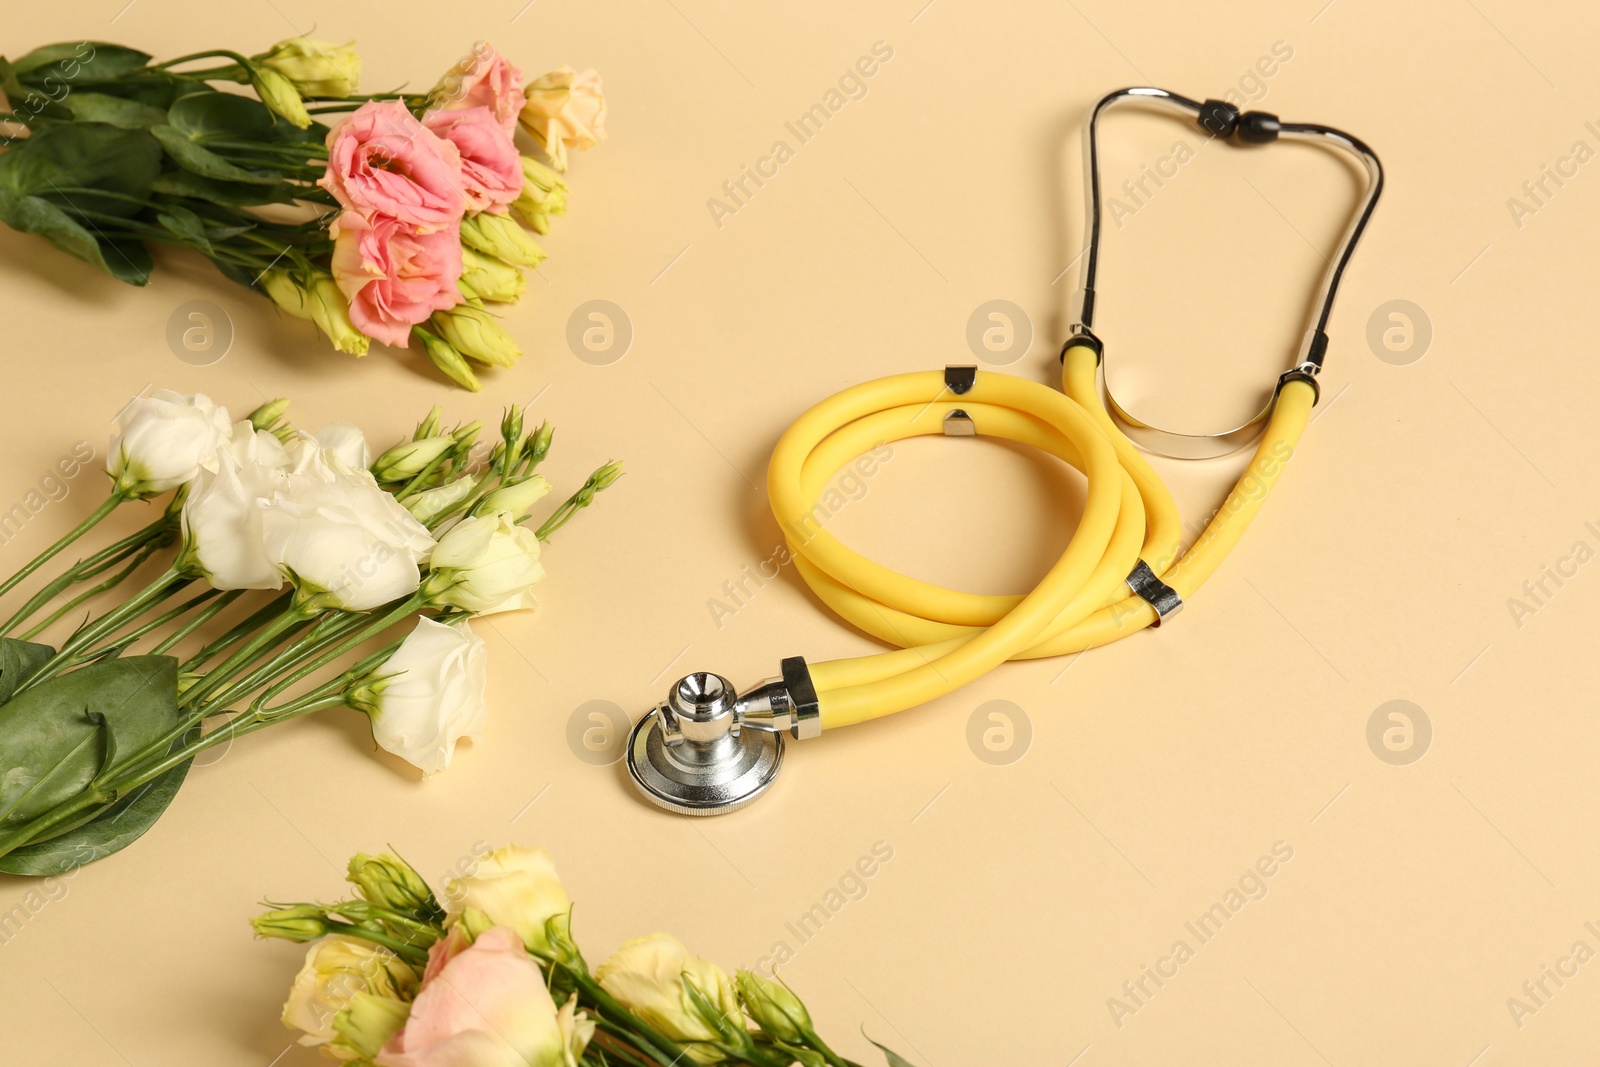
(691, 756)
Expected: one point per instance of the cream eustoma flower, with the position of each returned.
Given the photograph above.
(649, 976)
(566, 108)
(486, 563)
(515, 887)
(336, 972)
(163, 440)
(428, 695)
(222, 517)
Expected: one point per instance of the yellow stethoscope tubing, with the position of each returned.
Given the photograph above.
(947, 638)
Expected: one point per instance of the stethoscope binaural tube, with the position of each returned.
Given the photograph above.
(709, 749)
(1220, 121)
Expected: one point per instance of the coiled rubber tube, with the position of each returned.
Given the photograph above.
(945, 638)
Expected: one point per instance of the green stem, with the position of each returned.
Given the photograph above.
(70, 536)
(139, 557)
(78, 648)
(88, 568)
(159, 621)
(249, 626)
(171, 640)
(242, 656)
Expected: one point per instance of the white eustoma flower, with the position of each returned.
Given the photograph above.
(163, 439)
(486, 563)
(222, 517)
(343, 541)
(347, 442)
(428, 695)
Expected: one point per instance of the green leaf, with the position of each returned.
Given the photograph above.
(193, 186)
(232, 117)
(192, 156)
(126, 259)
(32, 214)
(51, 743)
(18, 662)
(113, 110)
(112, 830)
(187, 225)
(78, 62)
(58, 161)
(893, 1058)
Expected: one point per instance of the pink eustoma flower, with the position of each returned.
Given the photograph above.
(382, 161)
(394, 275)
(486, 1006)
(484, 78)
(491, 166)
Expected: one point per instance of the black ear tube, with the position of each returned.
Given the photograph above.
(1258, 127)
(1219, 118)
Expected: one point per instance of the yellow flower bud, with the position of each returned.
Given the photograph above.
(544, 194)
(489, 277)
(474, 333)
(774, 1007)
(316, 68)
(280, 95)
(321, 303)
(501, 236)
(450, 362)
(392, 883)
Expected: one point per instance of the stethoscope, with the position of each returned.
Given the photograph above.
(709, 749)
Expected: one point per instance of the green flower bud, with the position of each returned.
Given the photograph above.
(316, 68)
(429, 425)
(430, 504)
(465, 435)
(390, 882)
(511, 424)
(515, 498)
(450, 362)
(543, 194)
(474, 333)
(774, 1007)
(489, 278)
(539, 443)
(408, 459)
(280, 95)
(302, 922)
(503, 237)
(321, 302)
(267, 415)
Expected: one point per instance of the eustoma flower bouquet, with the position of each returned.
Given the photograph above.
(492, 977)
(305, 552)
(411, 210)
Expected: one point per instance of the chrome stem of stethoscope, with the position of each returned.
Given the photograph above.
(1221, 121)
(709, 749)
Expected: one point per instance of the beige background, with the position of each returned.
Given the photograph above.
(1019, 897)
